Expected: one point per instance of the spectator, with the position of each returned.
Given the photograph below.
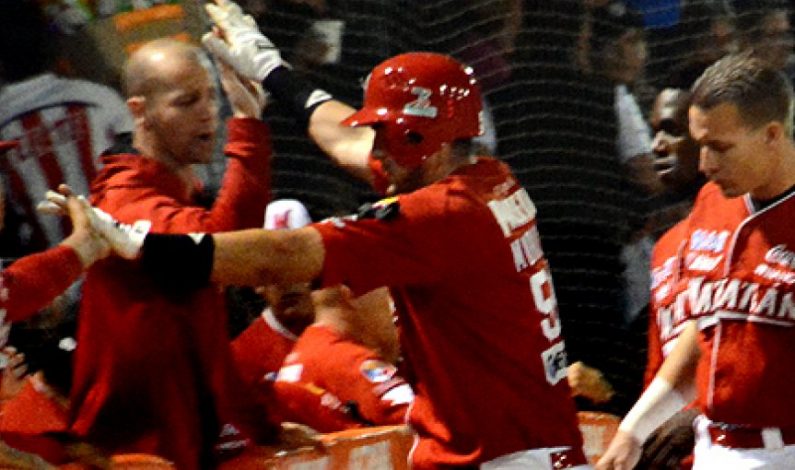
(423, 245)
(153, 370)
(708, 33)
(764, 28)
(62, 125)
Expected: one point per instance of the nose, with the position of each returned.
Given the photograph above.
(660, 145)
(707, 161)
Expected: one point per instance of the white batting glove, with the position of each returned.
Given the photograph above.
(245, 48)
(126, 240)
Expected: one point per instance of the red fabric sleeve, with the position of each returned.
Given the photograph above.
(34, 281)
(357, 374)
(241, 201)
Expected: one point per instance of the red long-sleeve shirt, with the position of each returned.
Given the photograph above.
(153, 369)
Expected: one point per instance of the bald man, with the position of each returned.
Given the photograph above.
(153, 370)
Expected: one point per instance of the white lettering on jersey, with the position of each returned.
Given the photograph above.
(708, 240)
(546, 303)
(741, 300)
(526, 249)
(554, 357)
(513, 211)
(703, 263)
(777, 275)
(779, 254)
(662, 273)
(422, 106)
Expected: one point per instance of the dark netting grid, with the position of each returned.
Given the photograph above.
(555, 126)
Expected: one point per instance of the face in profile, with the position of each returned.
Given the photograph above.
(401, 179)
(733, 154)
(675, 152)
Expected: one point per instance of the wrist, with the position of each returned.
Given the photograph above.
(287, 87)
(88, 249)
(655, 406)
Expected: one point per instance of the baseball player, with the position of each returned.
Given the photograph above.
(261, 348)
(458, 247)
(676, 162)
(735, 354)
(153, 370)
(349, 354)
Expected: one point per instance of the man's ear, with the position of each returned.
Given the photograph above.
(137, 107)
(773, 132)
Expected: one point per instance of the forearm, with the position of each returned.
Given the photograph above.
(246, 186)
(248, 257)
(34, 281)
(348, 147)
(670, 391)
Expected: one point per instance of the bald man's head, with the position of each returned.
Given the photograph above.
(146, 71)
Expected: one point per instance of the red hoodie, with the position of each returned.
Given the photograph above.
(153, 369)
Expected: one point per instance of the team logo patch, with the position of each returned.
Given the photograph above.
(377, 371)
(385, 209)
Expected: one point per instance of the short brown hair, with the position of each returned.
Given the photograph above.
(761, 94)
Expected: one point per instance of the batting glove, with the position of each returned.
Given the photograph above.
(244, 47)
(126, 240)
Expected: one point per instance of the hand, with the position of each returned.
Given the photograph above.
(672, 442)
(243, 46)
(589, 383)
(85, 240)
(295, 435)
(622, 454)
(125, 240)
(246, 97)
(14, 373)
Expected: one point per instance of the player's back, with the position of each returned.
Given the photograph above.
(484, 340)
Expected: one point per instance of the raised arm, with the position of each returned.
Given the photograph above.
(239, 43)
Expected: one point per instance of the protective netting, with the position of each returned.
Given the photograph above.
(552, 107)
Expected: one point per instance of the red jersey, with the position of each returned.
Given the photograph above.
(27, 418)
(666, 315)
(33, 281)
(478, 313)
(153, 370)
(62, 126)
(360, 379)
(740, 265)
(261, 348)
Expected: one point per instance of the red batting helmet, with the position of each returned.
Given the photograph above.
(423, 100)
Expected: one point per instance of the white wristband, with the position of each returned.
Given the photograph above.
(657, 404)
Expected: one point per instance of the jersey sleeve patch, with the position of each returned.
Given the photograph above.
(377, 371)
(385, 209)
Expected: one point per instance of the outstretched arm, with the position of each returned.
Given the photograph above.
(669, 392)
